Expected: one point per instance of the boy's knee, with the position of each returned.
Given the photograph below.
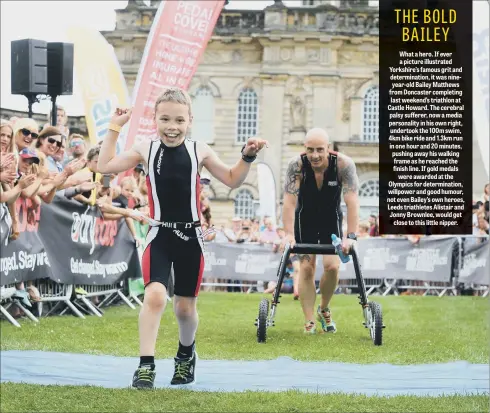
(155, 296)
(184, 309)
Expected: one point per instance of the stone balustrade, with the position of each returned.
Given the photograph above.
(350, 21)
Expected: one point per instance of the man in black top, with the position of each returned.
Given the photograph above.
(314, 183)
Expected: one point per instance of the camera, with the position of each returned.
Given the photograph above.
(106, 181)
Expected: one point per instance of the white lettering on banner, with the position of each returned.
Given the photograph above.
(210, 260)
(181, 34)
(471, 263)
(8, 264)
(424, 260)
(481, 89)
(163, 54)
(480, 56)
(255, 263)
(192, 16)
(83, 229)
(6, 219)
(101, 111)
(21, 260)
(96, 82)
(146, 122)
(168, 68)
(375, 259)
(96, 268)
(181, 49)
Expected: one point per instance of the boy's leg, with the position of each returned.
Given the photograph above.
(150, 316)
(156, 267)
(188, 270)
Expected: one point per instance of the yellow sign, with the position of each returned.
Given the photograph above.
(100, 79)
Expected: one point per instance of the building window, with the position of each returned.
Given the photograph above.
(370, 115)
(244, 204)
(369, 188)
(203, 110)
(247, 115)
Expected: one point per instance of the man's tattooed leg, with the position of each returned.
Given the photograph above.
(304, 257)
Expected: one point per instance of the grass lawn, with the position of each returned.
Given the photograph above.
(419, 330)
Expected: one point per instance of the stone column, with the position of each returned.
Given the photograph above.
(325, 104)
(272, 124)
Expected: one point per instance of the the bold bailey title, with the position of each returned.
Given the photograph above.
(431, 17)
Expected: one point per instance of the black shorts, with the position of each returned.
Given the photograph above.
(315, 233)
(165, 249)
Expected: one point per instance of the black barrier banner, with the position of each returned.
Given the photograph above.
(250, 262)
(429, 260)
(476, 265)
(23, 259)
(71, 244)
(425, 108)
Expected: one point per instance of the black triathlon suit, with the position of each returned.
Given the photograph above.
(173, 195)
(318, 214)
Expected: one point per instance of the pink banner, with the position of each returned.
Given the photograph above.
(175, 45)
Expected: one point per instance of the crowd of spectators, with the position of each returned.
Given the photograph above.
(480, 214)
(39, 163)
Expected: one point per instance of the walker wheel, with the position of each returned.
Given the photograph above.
(262, 321)
(376, 323)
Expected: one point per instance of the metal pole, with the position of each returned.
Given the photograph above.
(30, 99)
(53, 112)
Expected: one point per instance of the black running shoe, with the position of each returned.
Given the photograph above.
(143, 378)
(185, 370)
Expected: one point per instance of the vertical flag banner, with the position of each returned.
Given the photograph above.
(177, 40)
(481, 91)
(99, 75)
(267, 191)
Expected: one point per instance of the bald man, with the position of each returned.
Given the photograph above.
(311, 213)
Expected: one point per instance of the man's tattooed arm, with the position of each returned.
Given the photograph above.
(348, 176)
(291, 192)
(350, 189)
(291, 185)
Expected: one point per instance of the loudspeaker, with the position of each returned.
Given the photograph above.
(60, 69)
(29, 72)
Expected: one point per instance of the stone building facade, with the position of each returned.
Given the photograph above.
(276, 73)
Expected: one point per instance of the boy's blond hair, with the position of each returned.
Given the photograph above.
(175, 95)
(129, 180)
(24, 123)
(12, 145)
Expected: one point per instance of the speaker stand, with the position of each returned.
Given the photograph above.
(31, 98)
(54, 112)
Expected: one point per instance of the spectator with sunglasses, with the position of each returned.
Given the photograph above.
(60, 156)
(48, 145)
(49, 142)
(25, 132)
(76, 147)
(41, 189)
